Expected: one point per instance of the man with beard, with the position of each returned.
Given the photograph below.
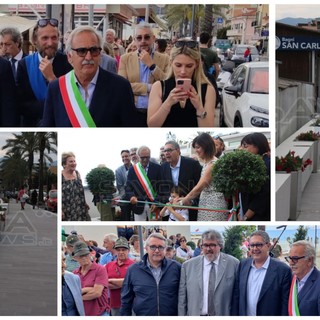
(207, 281)
(263, 283)
(37, 70)
(88, 96)
(220, 147)
(142, 68)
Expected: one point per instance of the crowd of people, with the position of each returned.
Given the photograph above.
(164, 282)
(178, 188)
(96, 82)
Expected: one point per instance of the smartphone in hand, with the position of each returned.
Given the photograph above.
(185, 84)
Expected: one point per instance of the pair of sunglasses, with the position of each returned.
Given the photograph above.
(82, 52)
(189, 44)
(146, 37)
(44, 22)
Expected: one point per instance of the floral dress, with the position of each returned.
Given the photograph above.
(210, 198)
(73, 199)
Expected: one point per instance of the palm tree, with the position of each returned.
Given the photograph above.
(210, 12)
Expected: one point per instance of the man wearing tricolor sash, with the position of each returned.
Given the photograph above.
(88, 96)
(304, 297)
(143, 185)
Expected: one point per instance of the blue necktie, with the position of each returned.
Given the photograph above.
(13, 67)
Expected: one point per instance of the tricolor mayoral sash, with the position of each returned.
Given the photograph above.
(293, 307)
(76, 108)
(144, 180)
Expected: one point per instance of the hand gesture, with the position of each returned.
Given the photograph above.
(47, 69)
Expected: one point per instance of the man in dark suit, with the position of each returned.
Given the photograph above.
(179, 171)
(8, 109)
(302, 259)
(263, 283)
(143, 185)
(88, 96)
(37, 70)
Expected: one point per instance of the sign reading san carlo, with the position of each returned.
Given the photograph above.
(297, 43)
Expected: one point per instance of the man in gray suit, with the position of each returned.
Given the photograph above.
(206, 292)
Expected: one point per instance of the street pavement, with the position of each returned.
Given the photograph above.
(28, 265)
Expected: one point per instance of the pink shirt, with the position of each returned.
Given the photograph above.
(96, 275)
(116, 271)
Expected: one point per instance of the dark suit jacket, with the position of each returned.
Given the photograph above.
(8, 107)
(189, 175)
(29, 107)
(309, 296)
(111, 105)
(274, 294)
(135, 189)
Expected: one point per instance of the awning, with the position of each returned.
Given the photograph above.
(158, 21)
(22, 24)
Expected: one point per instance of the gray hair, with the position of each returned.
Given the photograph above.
(81, 29)
(156, 235)
(213, 235)
(111, 237)
(14, 33)
(112, 31)
(261, 234)
(143, 25)
(143, 148)
(309, 250)
(174, 143)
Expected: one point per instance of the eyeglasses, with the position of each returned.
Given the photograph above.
(294, 259)
(146, 37)
(44, 22)
(189, 44)
(82, 52)
(132, 154)
(209, 245)
(169, 150)
(257, 245)
(154, 248)
(144, 158)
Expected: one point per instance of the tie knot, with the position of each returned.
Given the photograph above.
(13, 60)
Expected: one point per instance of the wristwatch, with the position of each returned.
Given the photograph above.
(152, 67)
(202, 115)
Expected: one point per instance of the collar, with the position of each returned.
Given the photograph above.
(178, 164)
(207, 262)
(40, 58)
(265, 265)
(306, 277)
(19, 55)
(93, 80)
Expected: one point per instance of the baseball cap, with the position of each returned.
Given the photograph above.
(80, 249)
(71, 240)
(121, 243)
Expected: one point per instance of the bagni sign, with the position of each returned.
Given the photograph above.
(297, 43)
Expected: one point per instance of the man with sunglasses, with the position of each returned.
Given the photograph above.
(143, 184)
(206, 283)
(142, 68)
(263, 283)
(88, 96)
(151, 286)
(306, 280)
(36, 71)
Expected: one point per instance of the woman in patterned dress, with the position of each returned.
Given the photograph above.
(209, 197)
(74, 206)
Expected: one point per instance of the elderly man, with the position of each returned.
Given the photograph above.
(8, 107)
(263, 283)
(206, 283)
(110, 38)
(143, 184)
(88, 96)
(11, 41)
(305, 288)
(179, 171)
(109, 241)
(37, 70)
(72, 304)
(142, 68)
(116, 272)
(151, 286)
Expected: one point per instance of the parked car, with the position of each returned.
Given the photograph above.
(51, 201)
(222, 47)
(237, 53)
(245, 96)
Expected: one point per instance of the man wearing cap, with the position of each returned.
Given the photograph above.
(151, 286)
(94, 282)
(72, 304)
(71, 264)
(116, 272)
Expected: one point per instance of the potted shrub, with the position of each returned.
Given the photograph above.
(308, 136)
(239, 171)
(101, 183)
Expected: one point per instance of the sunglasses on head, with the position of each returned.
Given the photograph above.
(82, 52)
(146, 37)
(44, 22)
(189, 44)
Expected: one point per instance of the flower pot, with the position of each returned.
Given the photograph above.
(295, 195)
(107, 212)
